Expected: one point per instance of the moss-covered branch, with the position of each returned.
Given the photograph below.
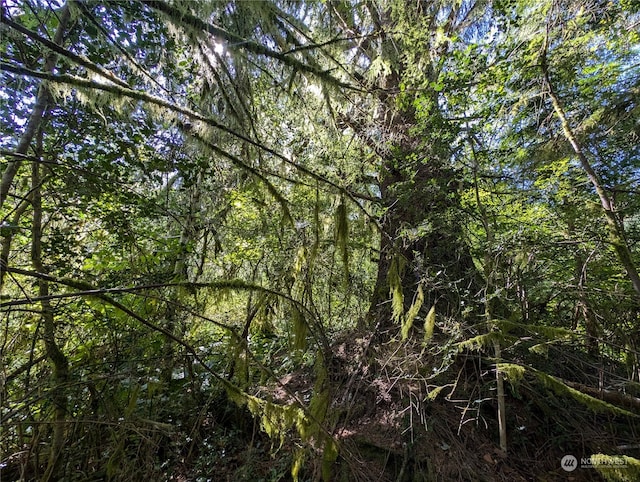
(236, 42)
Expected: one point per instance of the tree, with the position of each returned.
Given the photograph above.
(202, 201)
(422, 247)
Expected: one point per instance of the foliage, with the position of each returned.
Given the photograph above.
(201, 201)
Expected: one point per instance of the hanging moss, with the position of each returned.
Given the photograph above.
(319, 403)
(329, 457)
(299, 262)
(298, 462)
(433, 394)
(277, 196)
(394, 278)
(515, 373)
(429, 324)
(239, 359)
(275, 420)
(541, 349)
(412, 313)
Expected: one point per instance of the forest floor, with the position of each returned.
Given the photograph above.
(400, 413)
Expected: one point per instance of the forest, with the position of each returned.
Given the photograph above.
(319, 240)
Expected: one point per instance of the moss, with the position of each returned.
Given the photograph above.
(394, 278)
(412, 313)
(329, 456)
(616, 468)
(429, 324)
(482, 341)
(514, 372)
(432, 395)
(541, 349)
(277, 420)
(590, 402)
(299, 329)
(549, 332)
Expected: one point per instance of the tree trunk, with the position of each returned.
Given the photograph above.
(37, 113)
(615, 226)
(188, 236)
(422, 238)
(59, 362)
(57, 359)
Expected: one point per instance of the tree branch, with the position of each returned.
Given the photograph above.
(79, 59)
(236, 42)
(36, 114)
(615, 226)
(102, 294)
